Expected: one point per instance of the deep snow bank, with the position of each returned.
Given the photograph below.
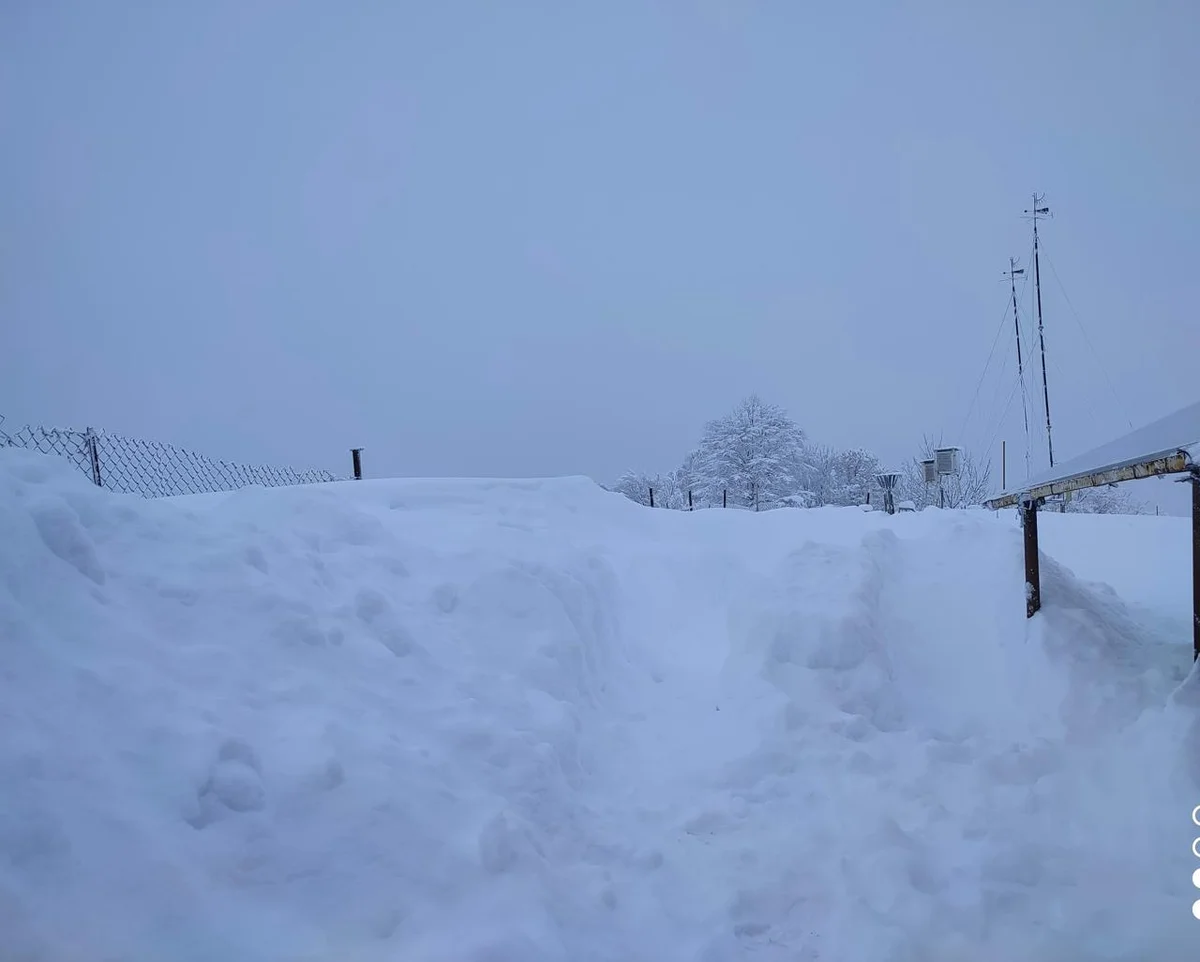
(523, 721)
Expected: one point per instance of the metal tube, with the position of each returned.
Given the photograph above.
(93, 450)
(1153, 467)
(1037, 283)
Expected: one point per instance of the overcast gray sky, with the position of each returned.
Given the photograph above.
(541, 238)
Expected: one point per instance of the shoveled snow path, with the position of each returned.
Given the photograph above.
(824, 711)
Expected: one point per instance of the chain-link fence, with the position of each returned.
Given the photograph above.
(150, 468)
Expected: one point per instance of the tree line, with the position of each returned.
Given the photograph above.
(757, 458)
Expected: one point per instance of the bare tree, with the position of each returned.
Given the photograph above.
(969, 487)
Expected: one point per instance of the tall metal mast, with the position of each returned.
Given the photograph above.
(1034, 213)
(1012, 272)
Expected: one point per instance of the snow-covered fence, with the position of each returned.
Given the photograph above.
(691, 504)
(150, 468)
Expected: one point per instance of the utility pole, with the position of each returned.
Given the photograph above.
(1041, 211)
(1012, 273)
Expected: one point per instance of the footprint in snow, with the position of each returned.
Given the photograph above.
(233, 786)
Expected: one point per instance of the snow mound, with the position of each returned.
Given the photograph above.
(516, 721)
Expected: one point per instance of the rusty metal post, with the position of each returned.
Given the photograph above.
(356, 454)
(93, 450)
(1194, 477)
(652, 497)
(1033, 580)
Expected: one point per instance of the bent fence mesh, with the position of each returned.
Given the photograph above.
(150, 468)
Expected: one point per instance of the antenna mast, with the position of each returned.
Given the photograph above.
(1012, 272)
(1034, 213)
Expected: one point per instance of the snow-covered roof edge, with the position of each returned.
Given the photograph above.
(1163, 438)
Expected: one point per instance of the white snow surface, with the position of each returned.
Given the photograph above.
(525, 721)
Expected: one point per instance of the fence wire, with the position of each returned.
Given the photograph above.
(150, 468)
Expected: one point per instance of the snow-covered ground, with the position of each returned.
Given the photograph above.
(522, 721)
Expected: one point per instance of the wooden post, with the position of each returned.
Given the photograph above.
(1033, 581)
(356, 455)
(724, 498)
(690, 506)
(652, 497)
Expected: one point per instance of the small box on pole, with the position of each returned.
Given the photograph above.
(946, 460)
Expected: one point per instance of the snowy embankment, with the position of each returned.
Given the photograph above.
(470, 721)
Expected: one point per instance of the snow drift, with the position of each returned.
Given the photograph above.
(523, 721)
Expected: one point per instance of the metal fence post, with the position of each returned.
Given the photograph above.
(724, 498)
(356, 455)
(652, 497)
(691, 507)
(93, 450)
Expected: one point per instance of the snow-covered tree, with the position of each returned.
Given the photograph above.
(816, 473)
(636, 486)
(670, 489)
(912, 486)
(689, 476)
(837, 477)
(1109, 499)
(969, 487)
(853, 475)
(755, 453)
